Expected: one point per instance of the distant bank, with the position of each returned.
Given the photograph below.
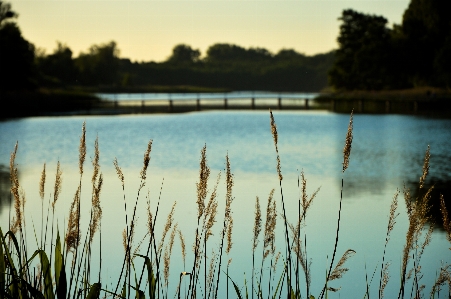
(422, 101)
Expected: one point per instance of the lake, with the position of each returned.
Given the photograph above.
(387, 154)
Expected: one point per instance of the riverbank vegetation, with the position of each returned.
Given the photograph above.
(60, 262)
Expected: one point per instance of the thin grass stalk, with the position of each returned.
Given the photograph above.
(227, 216)
(81, 160)
(390, 226)
(287, 238)
(257, 229)
(152, 236)
(346, 156)
(204, 173)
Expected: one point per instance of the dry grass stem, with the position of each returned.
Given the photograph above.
(168, 253)
(339, 270)
(167, 226)
(149, 219)
(276, 260)
(229, 235)
(182, 245)
(270, 226)
(257, 224)
(446, 220)
(95, 162)
(119, 173)
(443, 278)
(72, 235)
(15, 187)
(42, 183)
(82, 149)
(275, 137)
(96, 208)
(57, 188)
(204, 174)
(385, 279)
(210, 210)
(348, 143)
(427, 156)
(146, 161)
(393, 214)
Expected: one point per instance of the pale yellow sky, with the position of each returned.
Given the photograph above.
(147, 30)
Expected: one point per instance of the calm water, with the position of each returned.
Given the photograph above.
(387, 153)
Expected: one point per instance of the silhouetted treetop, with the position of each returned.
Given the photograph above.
(182, 54)
(100, 65)
(17, 69)
(6, 12)
(363, 54)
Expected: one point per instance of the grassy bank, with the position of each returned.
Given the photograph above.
(424, 100)
(46, 102)
(60, 262)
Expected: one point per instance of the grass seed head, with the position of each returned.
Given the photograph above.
(348, 143)
(42, 183)
(82, 148)
(146, 161)
(257, 223)
(427, 156)
(58, 182)
(204, 173)
(119, 173)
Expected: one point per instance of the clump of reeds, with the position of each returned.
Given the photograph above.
(19, 279)
(418, 216)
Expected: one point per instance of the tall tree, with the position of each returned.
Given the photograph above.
(184, 54)
(363, 58)
(100, 65)
(59, 65)
(426, 27)
(17, 71)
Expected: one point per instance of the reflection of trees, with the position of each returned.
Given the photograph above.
(439, 187)
(5, 187)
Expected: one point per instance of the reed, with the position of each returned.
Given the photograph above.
(64, 268)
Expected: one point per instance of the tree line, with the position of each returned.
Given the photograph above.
(370, 56)
(417, 52)
(224, 66)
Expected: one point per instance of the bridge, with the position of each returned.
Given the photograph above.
(188, 103)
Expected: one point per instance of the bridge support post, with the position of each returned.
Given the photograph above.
(170, 106)
(198, 104)
(306, 104)
(225, 103)
(279, 103)
(253, 103)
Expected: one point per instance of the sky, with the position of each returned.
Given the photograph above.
(148, 30)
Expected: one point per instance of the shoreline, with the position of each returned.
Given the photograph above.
(421, 101)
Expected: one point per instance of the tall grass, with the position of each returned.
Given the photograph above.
(63, 270)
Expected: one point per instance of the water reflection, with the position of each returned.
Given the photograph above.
(5, 186)
(439, 187)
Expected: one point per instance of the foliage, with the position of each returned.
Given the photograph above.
(59, 65)
(100, 65)
(372, 56)
(16, 59)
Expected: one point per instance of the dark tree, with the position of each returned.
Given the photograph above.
(99, 66)
(184, 54)
(426, 29)
(364, 56)
(6, 12)
(17, 71)
(59, 65)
